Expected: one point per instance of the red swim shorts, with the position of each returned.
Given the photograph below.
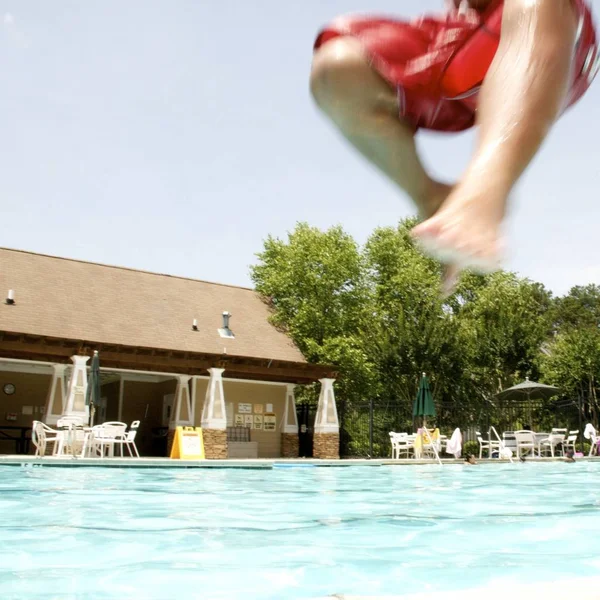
(437, 64)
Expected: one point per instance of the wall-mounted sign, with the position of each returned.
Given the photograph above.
(245, 408)
(248, 420)
(258, 421)
(239, 419)
(258, 409)
(270, 422)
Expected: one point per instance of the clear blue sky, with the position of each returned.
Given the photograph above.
(174, 137)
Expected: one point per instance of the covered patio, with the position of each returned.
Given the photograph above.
(173, 352)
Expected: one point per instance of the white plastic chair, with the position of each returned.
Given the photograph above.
(104, 437)
(569, 443)
(41, 434)
(71, 435)
(553, 441)
(430, 447)
(490, 445)
(69, 421)
(129, 440)
(525, 441)
(406, 444)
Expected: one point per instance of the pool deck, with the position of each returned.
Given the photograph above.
(265, 463)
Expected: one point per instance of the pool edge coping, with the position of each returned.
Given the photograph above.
(259, 464)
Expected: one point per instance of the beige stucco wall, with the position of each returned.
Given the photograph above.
(269, 442)
(31, 390)
(143, 401)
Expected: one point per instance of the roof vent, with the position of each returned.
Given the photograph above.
(195, 324)
(10, 299)
(224, 331)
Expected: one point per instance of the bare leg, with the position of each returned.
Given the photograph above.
(521, 98)
(364, 108)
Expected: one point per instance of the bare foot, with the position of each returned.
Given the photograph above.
(436, 197)
(465, 231)
(428, 208)
(450, 275)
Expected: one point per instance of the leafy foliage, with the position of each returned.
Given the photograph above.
(376, 313)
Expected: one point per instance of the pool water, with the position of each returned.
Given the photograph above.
(292, 533)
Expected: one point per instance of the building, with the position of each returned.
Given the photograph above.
(173, 351)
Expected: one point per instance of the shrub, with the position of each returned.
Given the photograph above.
(471, 448)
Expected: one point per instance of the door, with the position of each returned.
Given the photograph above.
(306, 420)
(167, 411)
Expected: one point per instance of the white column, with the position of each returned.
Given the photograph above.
(182, 408)
(213, 413)
(290, 417)
(55, 400)
(75, 404)
(193, 395)
(327, 416)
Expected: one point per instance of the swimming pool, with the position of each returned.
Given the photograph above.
(292, 533)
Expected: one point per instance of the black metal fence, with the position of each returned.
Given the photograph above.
(365, 427)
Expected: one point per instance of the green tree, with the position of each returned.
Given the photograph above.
(579, 308)
(315, 284)
(573, 364)
(412, 332)
(504, 325)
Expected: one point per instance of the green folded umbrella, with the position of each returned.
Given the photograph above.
(92, 396)
(424, 406)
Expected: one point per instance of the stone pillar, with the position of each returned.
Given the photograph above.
(182, 413)
(290, 447)
(75, 405)
(326, 439)
(55, 399)
(214, 419)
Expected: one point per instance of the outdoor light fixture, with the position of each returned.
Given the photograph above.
(10, 299)
(195, 325)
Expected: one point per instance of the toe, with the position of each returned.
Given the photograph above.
(450, 275)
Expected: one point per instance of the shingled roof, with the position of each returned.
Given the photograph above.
(72, 299)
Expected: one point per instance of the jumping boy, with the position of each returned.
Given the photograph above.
(510, 66)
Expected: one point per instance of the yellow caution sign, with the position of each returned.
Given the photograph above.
(188, 443)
